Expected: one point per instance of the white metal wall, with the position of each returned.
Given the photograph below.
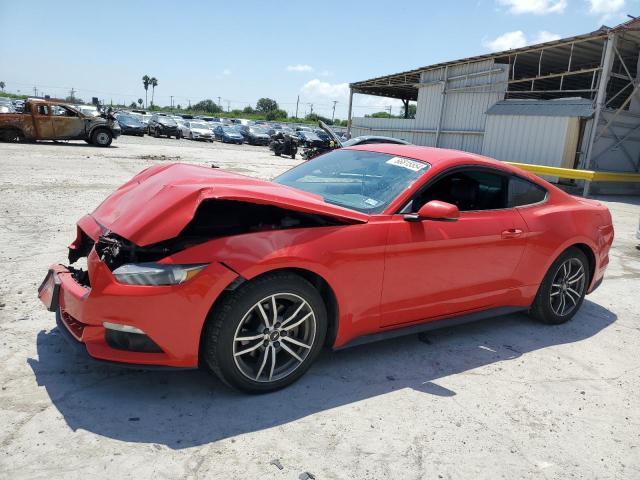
(539, 140)
(388, 127)
(469, 90)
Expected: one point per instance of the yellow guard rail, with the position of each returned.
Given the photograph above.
(588, 175)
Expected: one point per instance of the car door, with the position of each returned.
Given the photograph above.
(67, 123)
(441, 268)
(43, 122)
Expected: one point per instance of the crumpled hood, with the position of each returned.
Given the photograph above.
(159, 202)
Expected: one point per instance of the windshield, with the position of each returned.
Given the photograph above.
(198, 125)
(258, 131)
(166, 121)
(127, 118)
(356, 179)
(229, 130)
(89, 111)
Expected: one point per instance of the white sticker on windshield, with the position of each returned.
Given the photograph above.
(407, 163)
(371, 201)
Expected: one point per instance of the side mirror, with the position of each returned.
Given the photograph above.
(435, 210)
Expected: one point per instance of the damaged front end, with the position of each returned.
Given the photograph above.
(213, 219)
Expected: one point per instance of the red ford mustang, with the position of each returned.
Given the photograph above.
(188, 265)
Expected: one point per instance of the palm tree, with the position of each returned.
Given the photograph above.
(145, 83)
(154, 83)
(2, 85)
(140, 102)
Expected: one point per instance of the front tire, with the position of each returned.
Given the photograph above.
(563, 288)
(254, 347)
(101, 137)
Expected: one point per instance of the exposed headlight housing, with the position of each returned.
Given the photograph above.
(156, 274)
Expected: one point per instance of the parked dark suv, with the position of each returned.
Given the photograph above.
(255, 135)
(163, 125)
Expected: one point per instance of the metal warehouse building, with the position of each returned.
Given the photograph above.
(536, 104)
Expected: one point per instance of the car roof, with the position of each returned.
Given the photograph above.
(441, 157)
(381, 137)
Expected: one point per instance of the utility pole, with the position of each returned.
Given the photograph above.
(297, 102)
(389, 111)
(333, 114)
(189, 104)
(72, 93)
(35, 91)
(219, 103)
(228, 106)
(172, 103)
(311, 106)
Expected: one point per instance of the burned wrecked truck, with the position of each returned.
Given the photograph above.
(49, 120)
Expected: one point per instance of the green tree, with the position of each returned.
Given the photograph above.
(2, 85)
(314, 117)
(265, 105)
(248, 110)
(411, 113)
(73, 99)
(146, 80)
(133, 105)
(208, 106)
(153, 81)
(379, 115)
(276, 114)
(140, 102)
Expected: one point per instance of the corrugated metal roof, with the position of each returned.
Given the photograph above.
(403, 84)
(564, 107)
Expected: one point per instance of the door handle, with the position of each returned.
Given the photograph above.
(511, 233)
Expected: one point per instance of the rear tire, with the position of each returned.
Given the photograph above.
(11, 135)
(563, 288)
(299, 326)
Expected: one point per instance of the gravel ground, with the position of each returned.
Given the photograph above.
(505, 398)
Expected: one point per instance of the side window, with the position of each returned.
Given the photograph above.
(43, 109)
(468, 190)
(62, 111)
(523, 192)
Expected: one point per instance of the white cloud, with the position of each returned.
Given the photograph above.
(326, 73)
(226, 71)
(517, 39)
(322, 94)
(299, 68)
(316, 89)
(544, 36)
(606, 9)
(507, 41)
(537, 7)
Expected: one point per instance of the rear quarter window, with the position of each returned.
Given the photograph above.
(523, 192)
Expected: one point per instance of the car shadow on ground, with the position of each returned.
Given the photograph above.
(69, 143)
(189, 408)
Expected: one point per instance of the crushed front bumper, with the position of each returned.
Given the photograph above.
(172, 317)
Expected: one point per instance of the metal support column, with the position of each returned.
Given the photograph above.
(442, 104)
(601, 97)
(350, 111)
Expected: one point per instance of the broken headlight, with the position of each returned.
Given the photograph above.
(156, 273)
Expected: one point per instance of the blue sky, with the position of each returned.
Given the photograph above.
(243, 50)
